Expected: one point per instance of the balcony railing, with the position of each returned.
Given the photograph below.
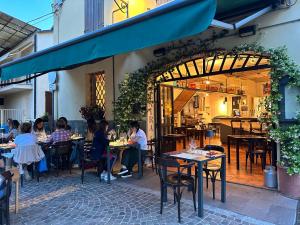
(15, 114)
(16, 80)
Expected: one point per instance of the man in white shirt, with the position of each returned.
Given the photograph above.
(138, 142)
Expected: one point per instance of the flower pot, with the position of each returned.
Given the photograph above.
(288, 185)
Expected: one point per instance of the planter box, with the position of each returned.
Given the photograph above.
(288, 185)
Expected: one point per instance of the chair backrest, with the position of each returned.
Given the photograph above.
(166, 164)
(236, 123)
(63, 147)
(214, 148)
(7, 184)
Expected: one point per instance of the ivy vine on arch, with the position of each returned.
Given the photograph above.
(137, 88)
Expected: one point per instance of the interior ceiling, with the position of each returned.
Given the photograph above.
(247, 66)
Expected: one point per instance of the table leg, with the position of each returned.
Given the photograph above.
(184, 144)
(165, 190)
(200, 189)
(108, 164)
(228, 147)
(237, 154)
(17, 197)
(223, 179)
(201, 136)
(140, 164)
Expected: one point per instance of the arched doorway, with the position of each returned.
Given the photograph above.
(212, 91)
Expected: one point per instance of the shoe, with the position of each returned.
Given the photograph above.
(27, 176)
(126, 175)
(111, 177)
(103, 174)
(123, 171)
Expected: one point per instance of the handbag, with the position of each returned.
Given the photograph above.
(43, 165)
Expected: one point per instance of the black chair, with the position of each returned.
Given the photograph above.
(237, 126)
(212, 168)
(258, 150)
(177, 181)
(61, 155)
(4, 200)
(86, 161)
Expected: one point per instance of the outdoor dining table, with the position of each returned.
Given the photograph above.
(200, 158)
(237, 139)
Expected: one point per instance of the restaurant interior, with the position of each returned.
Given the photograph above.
(207, 99)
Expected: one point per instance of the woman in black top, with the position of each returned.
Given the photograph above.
(100, 144)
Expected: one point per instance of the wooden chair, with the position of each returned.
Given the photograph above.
(212, 168)
(259, 150)
(177, 181)
(61, 153)
(237, 126)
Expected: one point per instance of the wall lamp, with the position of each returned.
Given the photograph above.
(247, 31)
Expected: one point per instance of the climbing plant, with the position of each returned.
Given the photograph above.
(137, 88)
(287, 135)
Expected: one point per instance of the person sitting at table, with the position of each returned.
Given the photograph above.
(38, 129)
(138, 142)
(27, 150)
(67, 126)
(14, 132)
(100, 144)
(60, 134)
(7, 126)
(91, 129)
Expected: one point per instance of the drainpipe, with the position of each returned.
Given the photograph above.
(34, 81)
(114, 93)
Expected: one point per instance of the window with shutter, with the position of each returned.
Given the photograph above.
(94, 15)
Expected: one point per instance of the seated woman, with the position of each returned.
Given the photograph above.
(100, 143)
(67, 126)
(38, 129)
(138, 141)
(27, 150)
(14, 132)
(91, 129)
(60, 134)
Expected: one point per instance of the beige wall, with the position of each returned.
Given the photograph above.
(74, 86)
(44, 40)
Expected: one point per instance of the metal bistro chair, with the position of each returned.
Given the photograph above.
(86, 162)
(5, 195)
(176, 181)
(61, 153)
(212, 168)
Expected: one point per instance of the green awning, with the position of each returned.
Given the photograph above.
(173, 21)
(226, 9)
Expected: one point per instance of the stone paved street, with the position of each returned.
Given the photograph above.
(64, 200)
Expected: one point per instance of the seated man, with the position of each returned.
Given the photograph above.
(138, 142)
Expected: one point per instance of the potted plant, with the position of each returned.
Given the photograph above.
(95, 112)
(289, 165)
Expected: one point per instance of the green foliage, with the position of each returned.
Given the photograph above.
(287, 135)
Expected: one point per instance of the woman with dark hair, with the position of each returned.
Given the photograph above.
(100, 144)
(27, 150)
(91, 129)
(14, 131)
(67, 126)
(38, 129)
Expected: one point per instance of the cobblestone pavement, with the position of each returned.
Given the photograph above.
(64, 200)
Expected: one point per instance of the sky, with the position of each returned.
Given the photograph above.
(27, 10)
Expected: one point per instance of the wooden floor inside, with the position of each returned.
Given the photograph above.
(241, 176)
